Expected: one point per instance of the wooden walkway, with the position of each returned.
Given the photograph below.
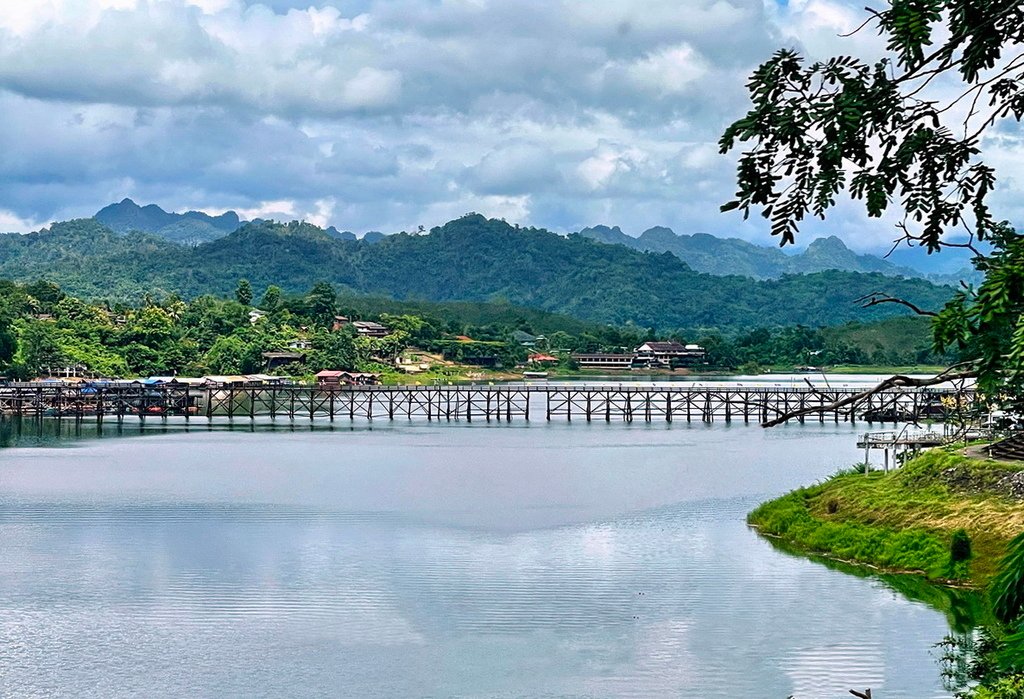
(587, 402)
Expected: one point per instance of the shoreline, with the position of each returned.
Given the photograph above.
(904, 522)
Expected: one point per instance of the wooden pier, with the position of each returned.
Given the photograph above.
(894, 444)
(587, 402)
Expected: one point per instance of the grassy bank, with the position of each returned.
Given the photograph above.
(904, 521)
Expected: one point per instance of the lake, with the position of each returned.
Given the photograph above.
(442, 560)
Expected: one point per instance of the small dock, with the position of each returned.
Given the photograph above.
(894, 444)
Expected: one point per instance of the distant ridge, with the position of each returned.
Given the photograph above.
(725, 256)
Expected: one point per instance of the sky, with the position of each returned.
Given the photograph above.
(391, 114)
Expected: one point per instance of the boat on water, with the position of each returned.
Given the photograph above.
(535, 374)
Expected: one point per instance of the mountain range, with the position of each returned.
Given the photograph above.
(708, 253)
(702, 252)
(469, 259)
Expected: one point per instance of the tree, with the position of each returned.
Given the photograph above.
(227, 355)
(271, 298)
(8, 341)
(243, 292)
(39, 346)
(334, 350)
(889, 133)
(323, 301)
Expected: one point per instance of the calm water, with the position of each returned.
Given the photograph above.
(427, 560)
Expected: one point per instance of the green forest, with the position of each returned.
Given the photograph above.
(43, 327)
(471, 259)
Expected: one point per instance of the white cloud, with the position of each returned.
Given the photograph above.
(372, 88)
(10, 222)
(387, 114)
(671, 71)
(280, 209)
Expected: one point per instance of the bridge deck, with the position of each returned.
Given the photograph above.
(628, 402)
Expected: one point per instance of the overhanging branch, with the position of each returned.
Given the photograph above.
(877, 297)
(898, 381)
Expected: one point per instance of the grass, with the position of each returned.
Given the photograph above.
(903, 521)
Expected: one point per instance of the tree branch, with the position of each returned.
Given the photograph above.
(877, 297)
(898, 381)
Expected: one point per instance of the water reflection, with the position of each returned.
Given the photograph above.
(425, 560)
(965, 609)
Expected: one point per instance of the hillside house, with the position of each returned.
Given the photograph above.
(364, 328)
(367, 328)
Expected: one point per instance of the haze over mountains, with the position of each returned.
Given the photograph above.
(469, 259)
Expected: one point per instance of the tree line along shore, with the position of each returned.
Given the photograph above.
(45, 331)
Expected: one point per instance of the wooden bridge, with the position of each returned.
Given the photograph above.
(582, 401)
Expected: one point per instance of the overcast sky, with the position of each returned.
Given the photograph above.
(388, 114)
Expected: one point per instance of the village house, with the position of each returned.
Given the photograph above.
(363, 328)
(668, 354)
(603, 360)
(332, 380)
(367, 328)
(255, 315)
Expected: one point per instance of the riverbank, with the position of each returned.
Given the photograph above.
(904, 521)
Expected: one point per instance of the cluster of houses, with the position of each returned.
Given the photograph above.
(325, 379)
(649, 355)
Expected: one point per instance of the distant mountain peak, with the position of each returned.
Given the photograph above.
(191, 227)
(829, 243)
(726, 256)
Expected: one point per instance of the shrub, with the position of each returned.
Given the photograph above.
(959, 546)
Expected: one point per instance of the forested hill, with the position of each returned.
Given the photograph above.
(714, 255)
(469, 259)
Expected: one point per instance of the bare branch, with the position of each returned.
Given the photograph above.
(877, 297)
(898, 381)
